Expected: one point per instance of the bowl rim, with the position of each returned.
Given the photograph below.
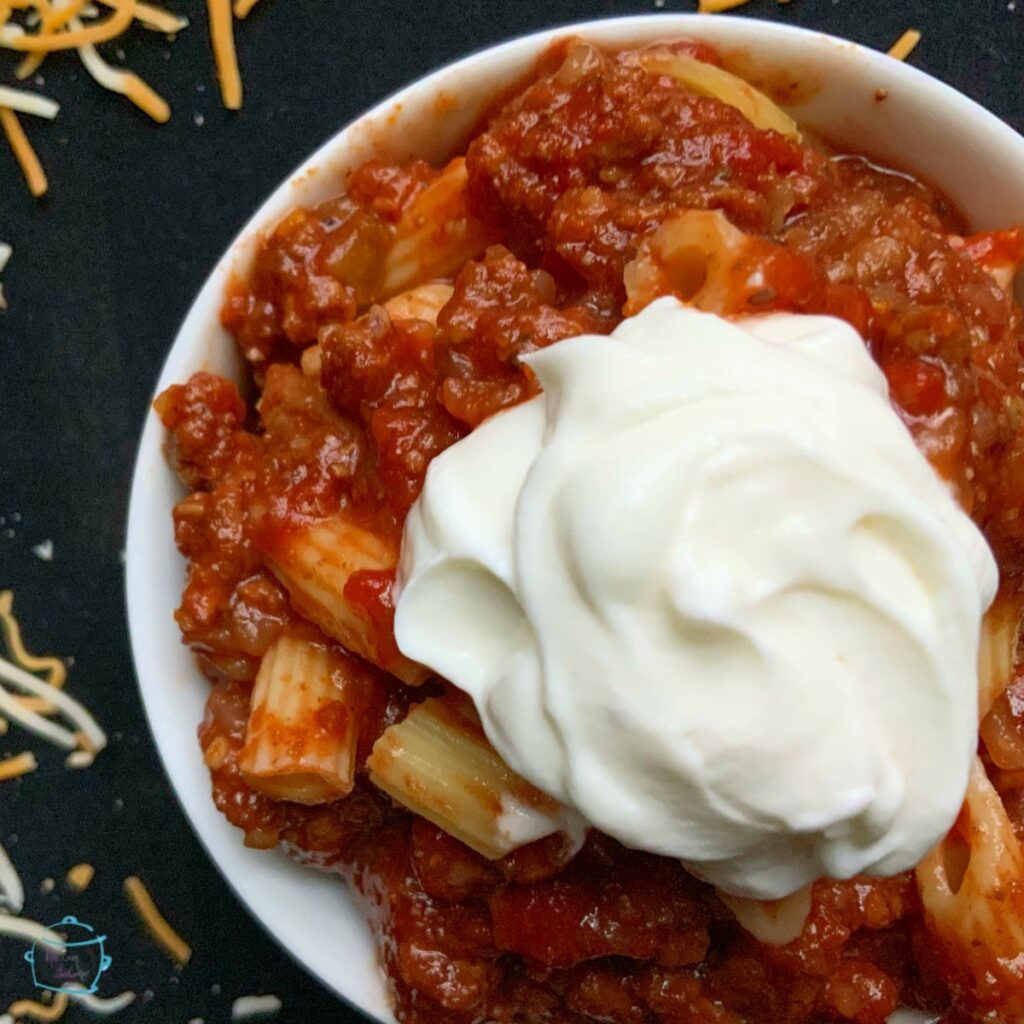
(185, 354)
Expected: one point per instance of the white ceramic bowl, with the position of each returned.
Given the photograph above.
(922, 126)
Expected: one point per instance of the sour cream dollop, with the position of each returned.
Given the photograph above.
(706, 590)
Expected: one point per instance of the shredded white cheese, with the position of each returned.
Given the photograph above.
(99, 1006)
(96, 738)
(29, 930)
(43, 727)
(12, 893)
(5, 254)
(28, 102)
(44, 550)
(79, 759)
(245, 1007)
(122, 82)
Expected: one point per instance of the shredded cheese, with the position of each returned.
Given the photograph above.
(44, 551)
(715, 6)
(89, 730)
(155, 18)
(40, 1011)
(30, 931)
(5, 254)
(48, 26)
(245, 1007)
(54, 668)
(12, 892)
(28, 102)
(904, 46)
(13, 37)
(222, 37)
(12, 708)
(20, 764)
(24, 153)
(126, 83)
(80, 877)
(89, 735)
(155, 923)
(54, 18)
(101, 1007)
(37, 704)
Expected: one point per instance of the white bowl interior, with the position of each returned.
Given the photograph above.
(921, 126)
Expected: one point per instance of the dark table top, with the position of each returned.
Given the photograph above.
(103, 271)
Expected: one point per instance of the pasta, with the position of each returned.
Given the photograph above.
(775, 922)
(384, 325)
(300, 742)
(1001, 733)
(436, 235)
(997, 651)
(438, 763)
(696, 256)
(421, 303)
(972, 889)
(997, 656)
(707, 80)
(315, 563)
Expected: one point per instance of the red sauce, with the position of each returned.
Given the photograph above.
(571, 174)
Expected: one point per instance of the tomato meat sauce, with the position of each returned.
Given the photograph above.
(565, 183)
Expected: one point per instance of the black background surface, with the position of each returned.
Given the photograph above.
(103, 272)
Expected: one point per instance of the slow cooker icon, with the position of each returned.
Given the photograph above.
(77, 964)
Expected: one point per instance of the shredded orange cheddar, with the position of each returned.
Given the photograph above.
(155, 923)
(24, 153)
(47, 42)
(56, 25)
(155, 18)
(55, 669)
(80, 876)
(905, 45)
(126, 83)
(715, 6)
(222, 37)
(40, 705)
(40, 1011)
(51, 19)
(20, 764)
